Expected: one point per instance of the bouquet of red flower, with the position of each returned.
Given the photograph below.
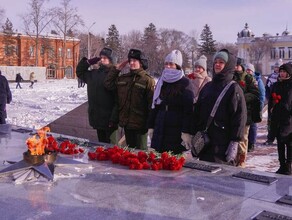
(65, 147)
(276, 98)
(138, 160)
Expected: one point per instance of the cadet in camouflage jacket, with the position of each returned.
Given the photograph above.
(135, 92)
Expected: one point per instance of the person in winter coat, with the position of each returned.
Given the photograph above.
(5, 97)
(272, 79)
(170, 118)
(281, 117)
(135, 92)
(251, 93)
(253, 126)
(18, 79)
(31, 79)
(102, 103)
(200, 77)
(227, 127)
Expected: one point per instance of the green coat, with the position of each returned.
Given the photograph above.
(135, 93)
(251, 92)
(102, 103)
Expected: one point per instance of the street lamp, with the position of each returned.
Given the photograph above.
(88, 45)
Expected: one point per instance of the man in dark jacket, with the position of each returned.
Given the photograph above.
(102, 103)
(5, 97)
(135, 92)
(251, 94)
(227, 127)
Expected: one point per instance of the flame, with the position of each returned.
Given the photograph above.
(37, 144)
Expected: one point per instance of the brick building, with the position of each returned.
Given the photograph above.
(20, 50)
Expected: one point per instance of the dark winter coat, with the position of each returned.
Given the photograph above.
(18, 78)
(5, 97)
(172, 116)
(135, 93)
(251, 92)
(102, 103)
(281, 117)
(230, 119)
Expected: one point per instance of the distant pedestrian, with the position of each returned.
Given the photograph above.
(32, 79)
(281, 117)
(5, 98)
(272, 79)
(18, 79)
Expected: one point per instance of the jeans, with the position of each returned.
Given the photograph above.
(252, 135)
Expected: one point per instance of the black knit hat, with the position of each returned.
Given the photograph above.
(287, 67)
(138, 55)
(109, 53)
(240, 62)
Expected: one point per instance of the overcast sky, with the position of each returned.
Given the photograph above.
(225, 17)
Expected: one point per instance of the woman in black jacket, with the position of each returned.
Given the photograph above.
(281, 117)
(170, 118)
(227, 127)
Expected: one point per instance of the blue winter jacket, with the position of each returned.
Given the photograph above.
(261, 87)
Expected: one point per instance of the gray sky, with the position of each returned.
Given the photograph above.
(225, 17)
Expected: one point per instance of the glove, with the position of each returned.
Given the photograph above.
(93, 60)
(150, 133)
(187, 140)
(231, 151)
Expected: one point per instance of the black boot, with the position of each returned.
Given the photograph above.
(282, 169)
(288, 168)
(250, 148)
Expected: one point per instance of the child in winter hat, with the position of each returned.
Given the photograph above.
(174, 57)
(202, 62)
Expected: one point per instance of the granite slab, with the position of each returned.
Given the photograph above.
(102, 190)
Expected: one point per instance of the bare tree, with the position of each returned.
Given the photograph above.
(232, 48)
(36, 21)
(171, 39)
(260, 46)
(66, 20)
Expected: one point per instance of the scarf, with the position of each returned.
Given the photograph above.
(169, 76)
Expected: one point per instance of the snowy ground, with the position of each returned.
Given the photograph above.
(44, 103)
(47, 101)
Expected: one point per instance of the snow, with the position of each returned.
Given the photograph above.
(45, 102)
(50, 99)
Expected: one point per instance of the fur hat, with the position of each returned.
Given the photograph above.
(174, 57)
(278, 63)
(109, 53)
(138, 55)
(249, 66)
(223, 55)
(286, 67)
(202, 61)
